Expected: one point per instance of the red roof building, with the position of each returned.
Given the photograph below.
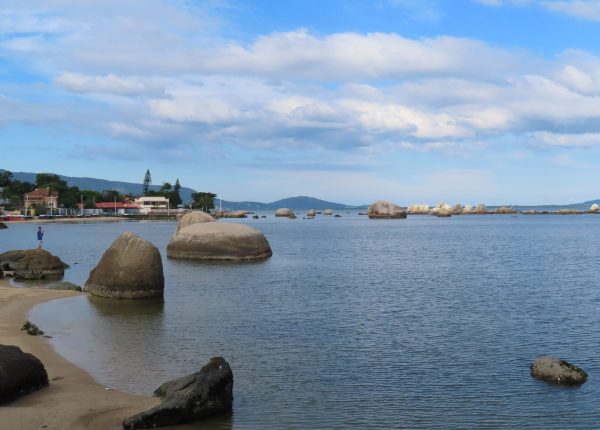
(41, 197)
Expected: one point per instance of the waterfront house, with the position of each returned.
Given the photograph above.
(153, 204)
(41, 197)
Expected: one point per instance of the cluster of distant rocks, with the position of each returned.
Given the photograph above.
(388, 210)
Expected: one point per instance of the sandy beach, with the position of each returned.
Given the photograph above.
(73, 400)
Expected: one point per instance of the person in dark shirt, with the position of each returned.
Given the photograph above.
(40, 236)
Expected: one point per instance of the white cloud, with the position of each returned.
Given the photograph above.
(112, 84)
(582, 9)
(563, 140)
(153, 80)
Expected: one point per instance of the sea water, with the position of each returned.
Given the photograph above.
(423, 323)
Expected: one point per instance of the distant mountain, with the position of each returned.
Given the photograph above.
(103, 184)
(296, 203)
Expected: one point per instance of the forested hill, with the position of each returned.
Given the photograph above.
(100, 185)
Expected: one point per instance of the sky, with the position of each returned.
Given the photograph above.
(412, 101)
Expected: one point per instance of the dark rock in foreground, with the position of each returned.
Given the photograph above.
(2, 225)
(32, 264)
(131, 268)
(557, 371)
(20, 373)
(200, 395)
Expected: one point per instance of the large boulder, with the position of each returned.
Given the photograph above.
(200, 395)
(382, 209)
(32, 264)
(20, 373)
(328, 212)
(193, 217)
(284, 212)
(131, 268)
(2, 225)
(219, 241)
(594, 208)
(557, 371)
(311, 213)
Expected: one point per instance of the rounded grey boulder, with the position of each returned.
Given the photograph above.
(20, 373)
(557, 371)
(193, 217)
(131, 268)
(385, 210)
(219, 241)
(284, 212)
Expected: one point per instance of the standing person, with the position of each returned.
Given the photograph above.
(40, 236)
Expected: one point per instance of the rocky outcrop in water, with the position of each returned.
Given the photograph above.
(311, 213)
(193, 217)
(20, 373)
(285, 212)
(480, 209)
(200, 395)
(557, 371)
(595, 208)
(32, 264)
(383, 209)
(131, 268)
(219, 241)
(2, 225)
(328, 212)
(505, 210)
(418, 209)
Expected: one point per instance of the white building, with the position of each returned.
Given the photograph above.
(153, 204)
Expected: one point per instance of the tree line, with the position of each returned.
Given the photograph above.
(13, 191)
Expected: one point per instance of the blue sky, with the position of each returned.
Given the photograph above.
(493, 101)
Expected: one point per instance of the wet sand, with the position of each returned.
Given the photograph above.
(73, 400)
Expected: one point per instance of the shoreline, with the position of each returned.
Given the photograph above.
(73, 399)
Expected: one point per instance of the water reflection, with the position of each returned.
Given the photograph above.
(152, 310)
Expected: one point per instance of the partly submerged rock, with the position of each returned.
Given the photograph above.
(284, 212)
(2, 225)
(20, 373)
(193, 217)
(557, 371)
(594, 208)
(219, 241)
(32, 264)
(131, 268)
(386, 210)
(200, 395)
(311, 213)
(505, 210)
(328, 212)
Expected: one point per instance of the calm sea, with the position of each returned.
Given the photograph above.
(422, 323)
